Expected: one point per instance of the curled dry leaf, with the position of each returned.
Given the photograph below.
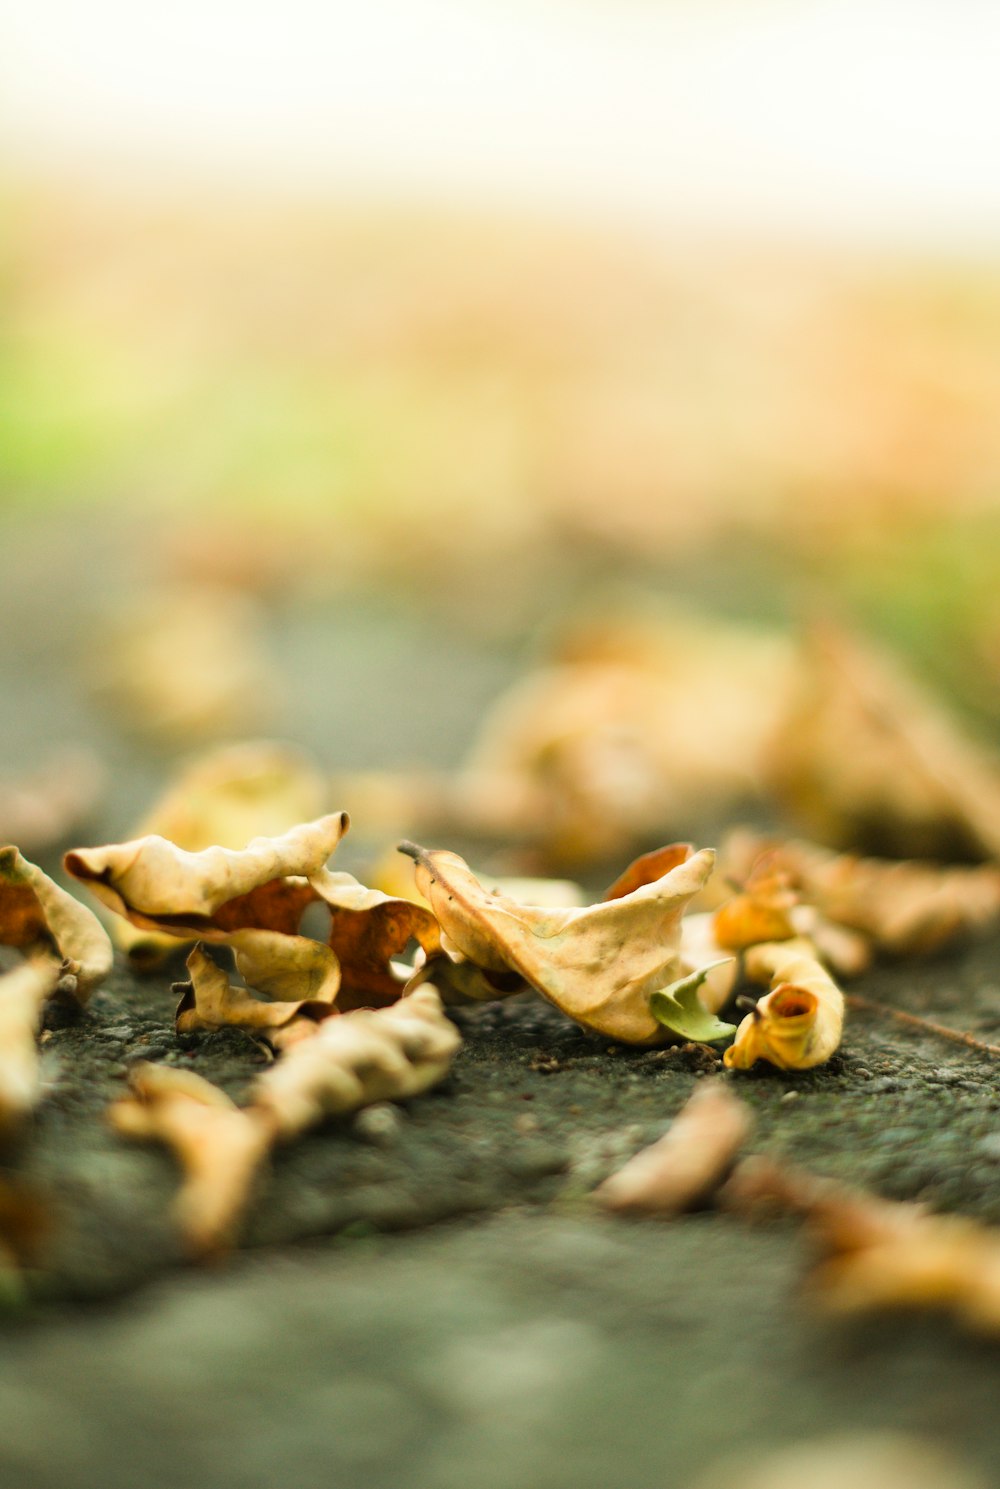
(284, 966)
(598, 964)
(22, 999)
(206, 895)
(634, 720)
(865, 758)
(370, 1055)
(210, 1002)
(904, 908)
(38, 917)
(878, 1254)
(219, 1147)
(761, 911)
(705, 967)
(367, 930)
(688, 1163)
(224, 798)
(799, 1023)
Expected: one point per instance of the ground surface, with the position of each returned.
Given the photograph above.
(437, 1302)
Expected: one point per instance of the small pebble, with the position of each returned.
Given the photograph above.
(526, 1123)
(146, 1052)
(118, 1031)
(379, 1124)
(790, 1096)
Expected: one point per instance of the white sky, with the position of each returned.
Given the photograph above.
(857, 119)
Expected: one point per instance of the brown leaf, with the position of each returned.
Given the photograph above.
(209, 1001)
(877, 1254)
(285, 967)
(37, 916)
(23, 993)
(761, 911)
(799, 1023)
(224, 798)
(591, 754)
(649, 867)
(219, 1147)
(367, 930)
(904, 907)
(688, 1163)
(867, 759)
(598, 964)
(369, 1055)
(206, 895)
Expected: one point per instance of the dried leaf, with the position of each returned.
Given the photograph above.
(224, 798)
(207, 895)
(23, 993)
(285, 967)
(904, 907)
(688, 1163)
(367, 930)
(598, 964)
(369, 1055)
(761, 911)
(649, 867)
(878, 1254)
(460, 981)
(37, 916)
(866, 758)
(209, 1001)
(587, 756)
(799, 1023)
(219, 1147)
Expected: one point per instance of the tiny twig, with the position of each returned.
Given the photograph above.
(854, 1000)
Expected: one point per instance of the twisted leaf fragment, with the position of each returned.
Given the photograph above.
(380, 1054)
(23, 993)
(210, 1002)
(363, 1057)
(878, 1254)
(799, 1023)
(688, 1163)
(225, 797)
(367, 930)
(38, 917)
(219, 1147)
(903, 907)
(208, 894)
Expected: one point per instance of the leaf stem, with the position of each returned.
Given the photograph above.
(914, 1020)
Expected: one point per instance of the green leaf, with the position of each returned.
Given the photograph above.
(680, 1010)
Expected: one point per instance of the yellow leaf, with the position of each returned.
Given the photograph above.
(599, 964)
(798, 1024)
(36, 915)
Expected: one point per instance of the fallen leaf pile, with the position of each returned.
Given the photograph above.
(343, 985)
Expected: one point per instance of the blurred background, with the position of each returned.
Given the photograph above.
(345, 351)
